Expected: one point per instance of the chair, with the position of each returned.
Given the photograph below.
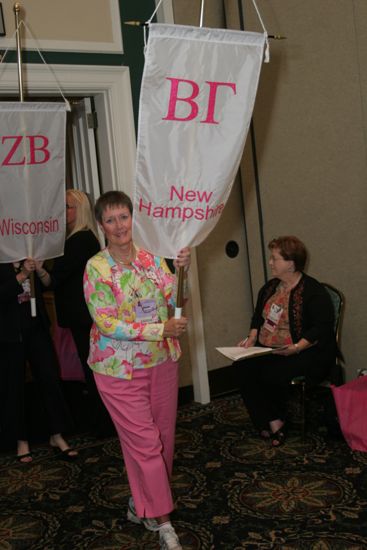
(335, 376)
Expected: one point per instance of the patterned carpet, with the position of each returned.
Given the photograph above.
(233, 491)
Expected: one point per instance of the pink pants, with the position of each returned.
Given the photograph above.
(143, 411)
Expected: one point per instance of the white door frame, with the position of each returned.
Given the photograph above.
(110, 87)
(84, 164)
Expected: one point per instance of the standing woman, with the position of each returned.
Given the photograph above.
(134, 352)
(25, 338)
(66, 280)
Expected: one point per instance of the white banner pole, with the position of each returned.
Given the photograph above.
(21, 99)
(202, 12)
(180, 281)
(179, 295)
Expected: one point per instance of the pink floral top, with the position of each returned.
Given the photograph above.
(280, 334)
(129, 308)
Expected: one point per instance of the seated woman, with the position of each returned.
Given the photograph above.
(294, 315)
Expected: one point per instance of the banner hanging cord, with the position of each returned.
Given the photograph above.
(148, 22)
(155, 11)
(41, 56)
(267, 49)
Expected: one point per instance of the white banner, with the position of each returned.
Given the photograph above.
(32, 180)
(197, 97)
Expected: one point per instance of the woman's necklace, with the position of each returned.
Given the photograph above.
(127, 259)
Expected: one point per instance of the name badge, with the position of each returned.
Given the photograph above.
(273, 318)
(146, 311)
(25, 296)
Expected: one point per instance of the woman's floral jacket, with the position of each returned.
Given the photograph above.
(121, 339)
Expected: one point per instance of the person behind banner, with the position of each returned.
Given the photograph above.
(294, 315)
(27, 339)
(66, 280)
(134, 351)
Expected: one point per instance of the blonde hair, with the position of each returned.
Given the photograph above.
(84, 217)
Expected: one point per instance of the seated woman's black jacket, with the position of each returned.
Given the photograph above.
(311, 313)
(10, 313)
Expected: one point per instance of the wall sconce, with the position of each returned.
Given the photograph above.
(2, 25)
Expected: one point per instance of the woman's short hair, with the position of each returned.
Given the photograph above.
(291, 249)
(84, 215)
(111, 199)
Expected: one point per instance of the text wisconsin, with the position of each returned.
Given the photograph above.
(9, 226)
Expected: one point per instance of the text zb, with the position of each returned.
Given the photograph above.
(25, 150)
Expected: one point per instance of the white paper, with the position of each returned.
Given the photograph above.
(238, 352)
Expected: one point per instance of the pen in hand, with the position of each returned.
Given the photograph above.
(242, 343)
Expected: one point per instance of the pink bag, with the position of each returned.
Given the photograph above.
(351, 405)
(70, 365)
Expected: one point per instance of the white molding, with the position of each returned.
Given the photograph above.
(110, 87)
(115, 46)
(198, 358)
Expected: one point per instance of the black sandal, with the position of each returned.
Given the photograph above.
(68, 456)
(278, 437)
(20, 458)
